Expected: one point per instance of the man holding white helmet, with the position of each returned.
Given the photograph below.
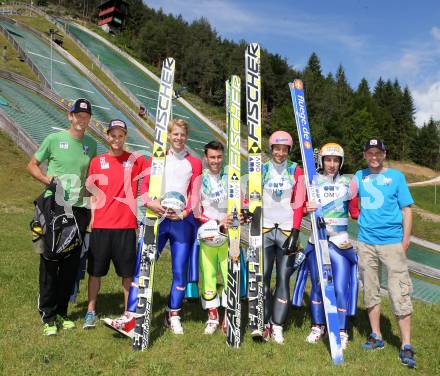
(181, 193)
(337, 202)
(283, 202)
(213, 244)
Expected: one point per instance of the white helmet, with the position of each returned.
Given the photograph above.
(173, 200)
(210, 234)
(331, 148)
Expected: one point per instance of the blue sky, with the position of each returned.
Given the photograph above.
(388, 38)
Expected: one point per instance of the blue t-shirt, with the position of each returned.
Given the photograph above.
(382, 197)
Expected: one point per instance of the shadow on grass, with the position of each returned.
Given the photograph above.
(108, 305)
(192, 310)
(297, 315)
(362, 324)
(111, 305)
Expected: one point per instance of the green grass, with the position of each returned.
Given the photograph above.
(25, 351)
(426, 229)
(13, 63)
(424, 197)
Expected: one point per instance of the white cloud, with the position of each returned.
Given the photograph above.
(416, 65)
(415, 61)
(312, 29)
(428, 103)
(233, 20)
(435, 32)
(222, 15)
(410, 63)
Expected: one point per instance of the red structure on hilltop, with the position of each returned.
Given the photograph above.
(112, 15)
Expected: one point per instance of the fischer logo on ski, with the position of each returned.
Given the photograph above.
(145, 278)
(317, 221)
(233, 309)
(255, 249)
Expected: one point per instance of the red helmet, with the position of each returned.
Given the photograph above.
(280, 138)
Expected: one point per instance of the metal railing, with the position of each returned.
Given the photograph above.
(97, 127)
(17, 134)
(23, 54)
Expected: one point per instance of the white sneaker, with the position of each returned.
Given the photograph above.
(344, 339)
(172, 321)
(211, 326)
(175, 325)
(277, 334)
(315, 335)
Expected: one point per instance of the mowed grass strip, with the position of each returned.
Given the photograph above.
(426, 229)
(427, 197)
(11, 60)
(24, 350)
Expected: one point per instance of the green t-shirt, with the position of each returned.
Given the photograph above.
(68, 158)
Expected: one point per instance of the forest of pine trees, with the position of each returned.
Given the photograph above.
(337, 112)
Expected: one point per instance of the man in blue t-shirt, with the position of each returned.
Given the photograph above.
(385, 223)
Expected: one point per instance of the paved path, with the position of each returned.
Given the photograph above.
(432, 181)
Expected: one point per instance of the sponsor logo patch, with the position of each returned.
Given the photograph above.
(126, 164)
(64, 145)
(387, 181)
(104, 163)
(298, 84)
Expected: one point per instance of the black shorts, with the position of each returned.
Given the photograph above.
(112, 244)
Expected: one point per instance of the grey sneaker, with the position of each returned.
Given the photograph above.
(89, 320)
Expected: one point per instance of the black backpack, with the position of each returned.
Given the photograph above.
(54, 224)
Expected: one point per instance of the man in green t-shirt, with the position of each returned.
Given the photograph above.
(68, 154)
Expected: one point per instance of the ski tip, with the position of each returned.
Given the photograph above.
(169, 63)
(109, 323)
(253, 46)
(235, 81)
(338, 359)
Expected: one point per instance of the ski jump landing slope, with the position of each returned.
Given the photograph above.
(34, 114)
(68, 82)
(142, 85)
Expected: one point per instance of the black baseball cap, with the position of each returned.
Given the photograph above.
(374, 143)
(81, 105)
(116, 123)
